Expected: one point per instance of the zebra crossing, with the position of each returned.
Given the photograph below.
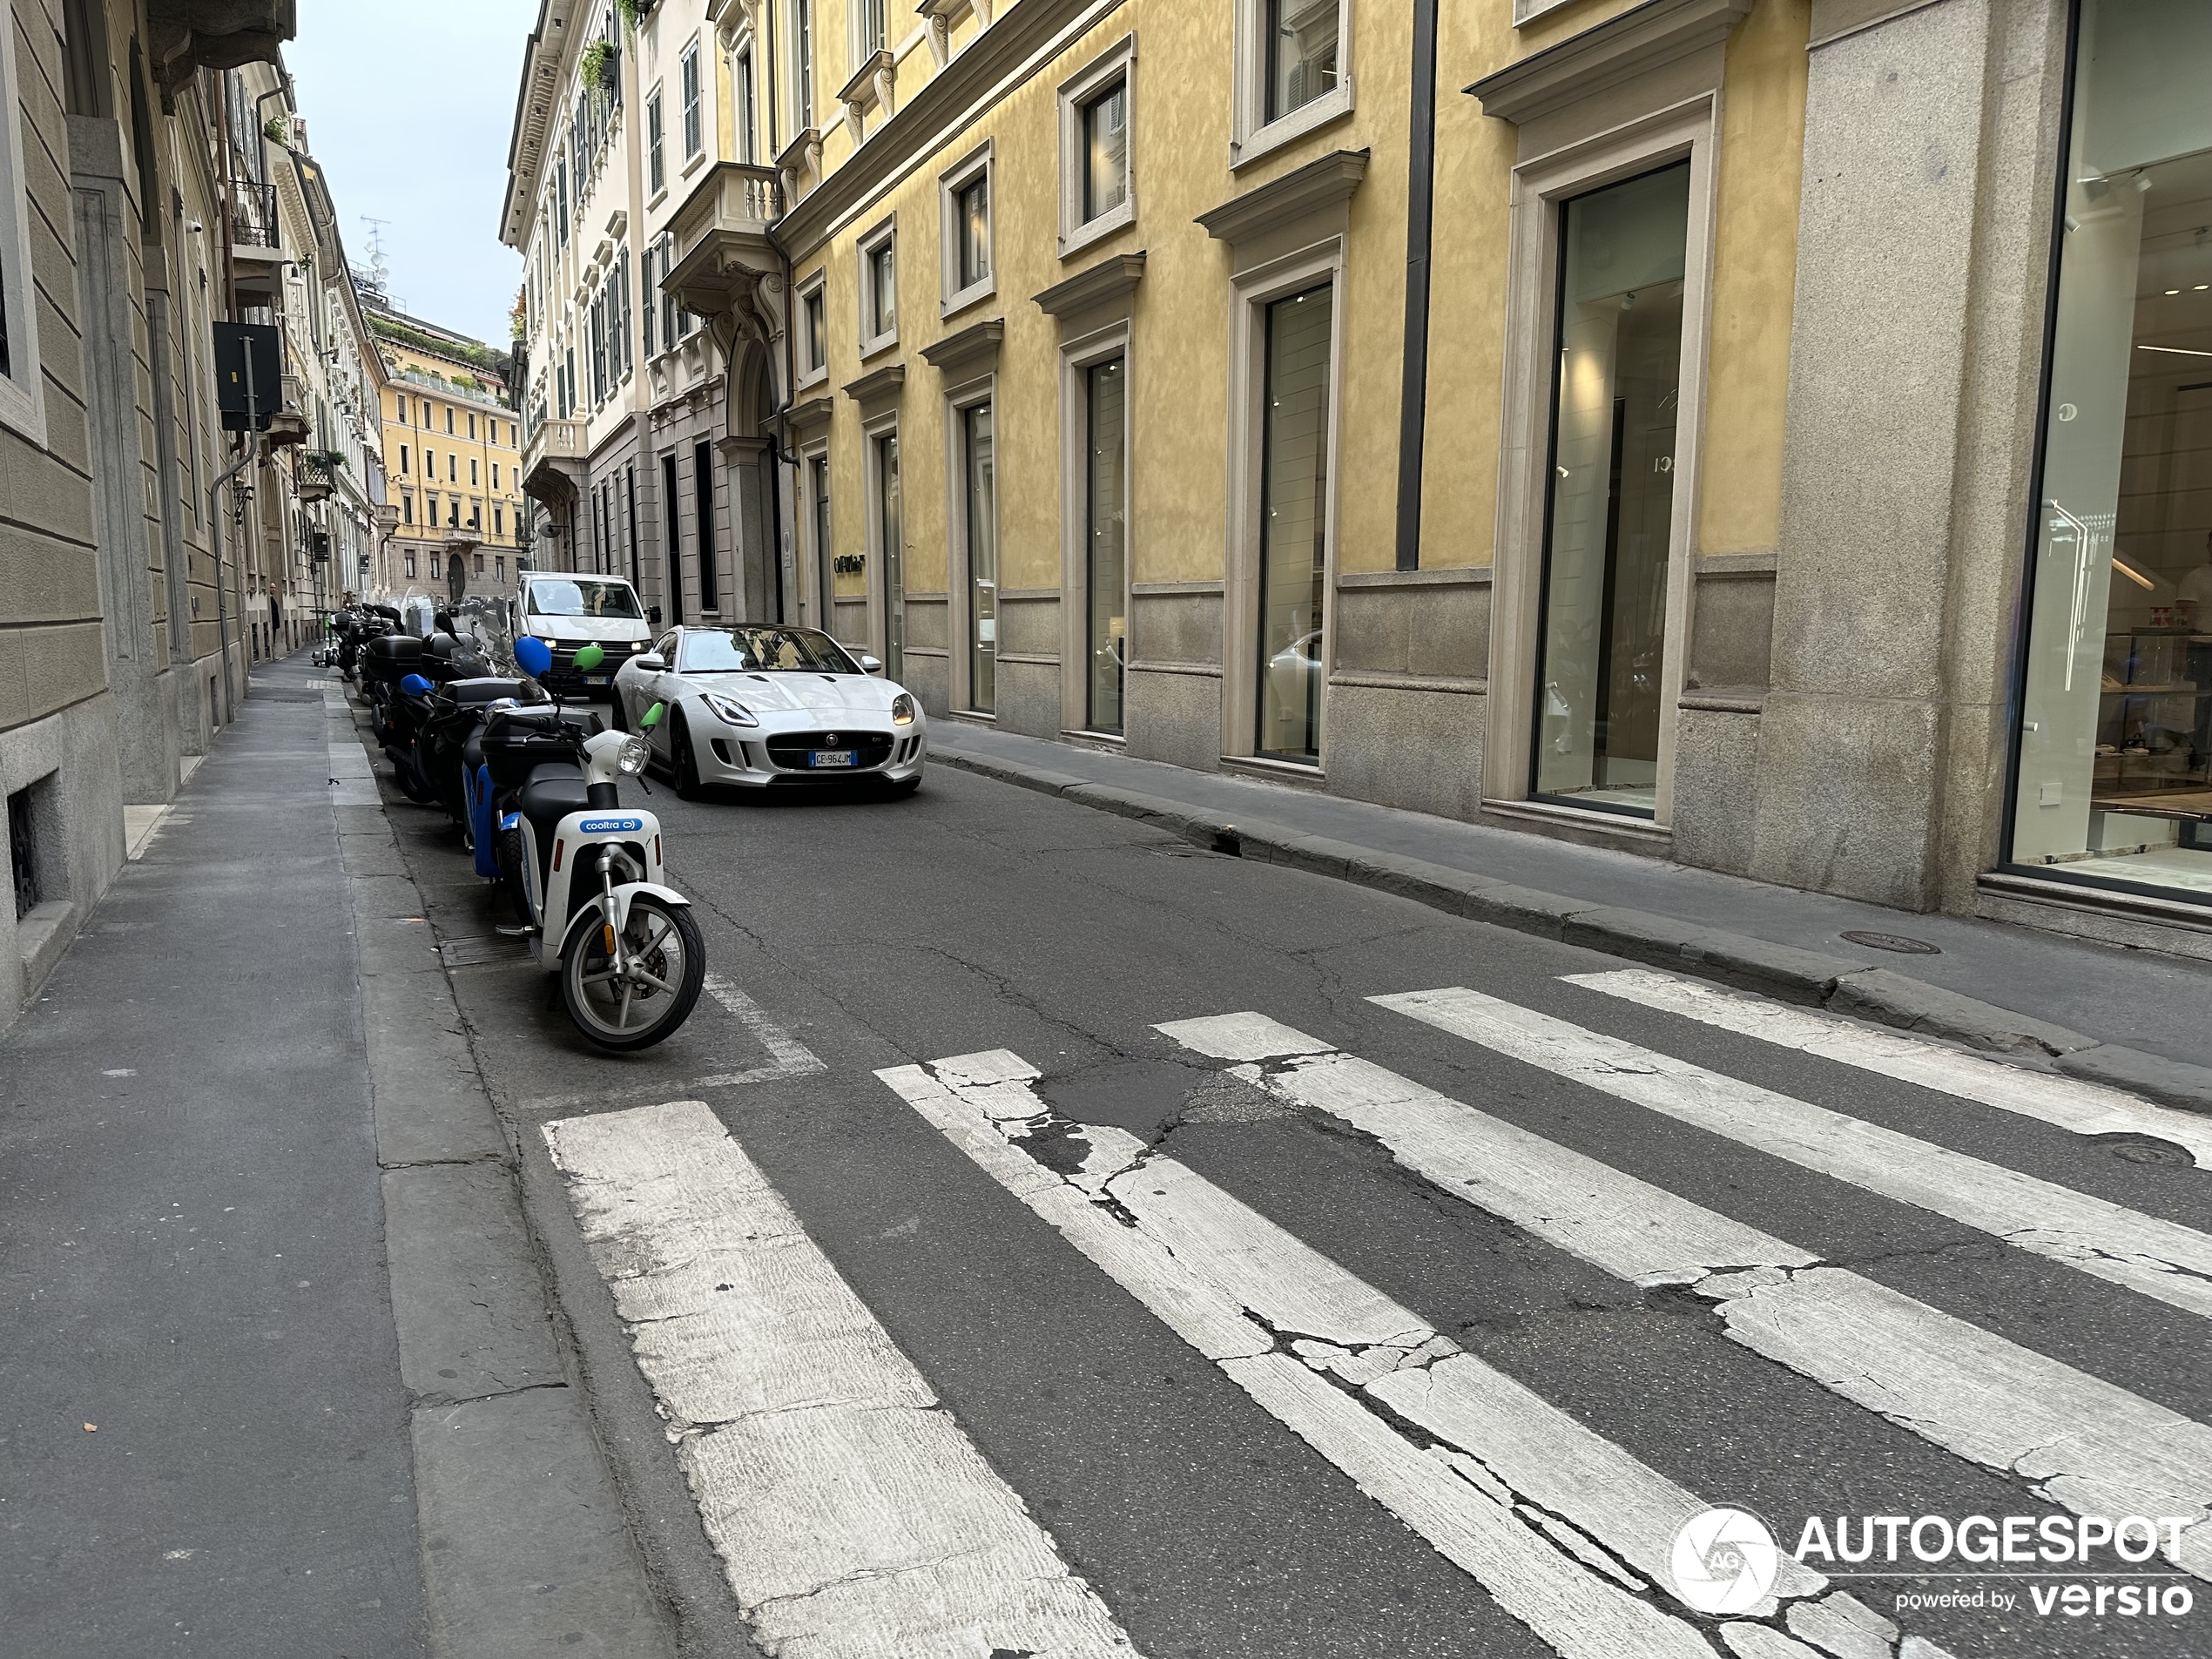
(854, 1515)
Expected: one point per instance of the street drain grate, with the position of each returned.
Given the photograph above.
(1897, 942)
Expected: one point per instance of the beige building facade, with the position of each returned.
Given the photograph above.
(1619, 422)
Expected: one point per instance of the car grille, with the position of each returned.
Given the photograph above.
(617, 651)
(790, 749)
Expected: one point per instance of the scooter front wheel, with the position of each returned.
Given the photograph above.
(664, 966)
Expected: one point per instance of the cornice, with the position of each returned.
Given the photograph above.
(812, 412)
(1641, 38)
(971, 344)
(1319, 184)
(1109, 280)
(884, 382)
(920, 127)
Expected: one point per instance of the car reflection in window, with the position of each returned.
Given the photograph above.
(765, 650)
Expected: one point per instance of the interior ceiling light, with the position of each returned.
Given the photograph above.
(2132, 574)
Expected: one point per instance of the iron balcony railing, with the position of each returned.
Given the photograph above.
(253, 214)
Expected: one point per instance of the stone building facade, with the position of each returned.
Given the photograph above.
(1623, 422)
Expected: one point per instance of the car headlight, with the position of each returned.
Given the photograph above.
(632, 759)
(727, 709)
(902, 709)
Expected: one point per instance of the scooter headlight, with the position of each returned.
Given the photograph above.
(727, 709)
(902, 709)
(630, 760)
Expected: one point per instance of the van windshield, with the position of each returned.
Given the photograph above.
(764, 651)
(581, 596)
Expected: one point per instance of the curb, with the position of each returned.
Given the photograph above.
(1810, 978)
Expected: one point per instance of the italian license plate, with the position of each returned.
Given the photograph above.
(596, 679)
(830, 757)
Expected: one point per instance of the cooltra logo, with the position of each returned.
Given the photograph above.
(1725, 1560)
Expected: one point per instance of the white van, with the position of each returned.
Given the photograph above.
(569, 611)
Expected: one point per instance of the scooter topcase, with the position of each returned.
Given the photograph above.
(516, 741)
(392, 656)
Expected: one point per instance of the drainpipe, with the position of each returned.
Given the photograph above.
(790, 364)
(1420, 205)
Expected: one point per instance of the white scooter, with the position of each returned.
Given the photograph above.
(589, 882)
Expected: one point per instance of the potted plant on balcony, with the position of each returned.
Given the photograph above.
(602, 65)
(318, 474)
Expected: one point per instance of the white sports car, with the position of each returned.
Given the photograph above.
(766, 706)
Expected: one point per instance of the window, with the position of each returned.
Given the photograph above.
(879, 292)
(2113, 786)
(453, 514)
(472, 472)
(803, 60)
(452, 469)
(1293, 519)
(694, 134)
(979, 498)
(873, 32)
(652, 311)
(744, 117)
(672, 537)
(499, 567)
(1618, 359)
(598, 325)
(448, 418)
(656, 164)
(620, 323)
(495, 475)
(407, 508)
(814, 332)
(964, 198)
(480, 563)
(472, 428)
(429, 509)
(1098, 194)
(817, 500)
(1291, 72)
(560, 201)
(407, 560)
(498, 521)
(891, 555)
(1105, 542)
(703, 489)
(429, 463)
(973, 209)
(403, 466)
(401, 400)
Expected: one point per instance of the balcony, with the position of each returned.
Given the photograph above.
(553, 461)
(722, 230)
(257, 240)
(315, 473)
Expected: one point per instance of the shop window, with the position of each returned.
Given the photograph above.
(1105, 542)
(1294, 520)
(979, 539)
(818, 501)
(890, 549)
(1617, 363)
(2114, 780)
(703, 489)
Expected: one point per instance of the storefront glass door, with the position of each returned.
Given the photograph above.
(894, 577)
(1106, 549)
(1294, 524)
(982, 559)
(1609, 537)
(2115, 784)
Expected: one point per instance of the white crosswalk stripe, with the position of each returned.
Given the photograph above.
(2158, 1259)
(2081, 1442)
(2065, 1102)
(1567, 1531)
(854, 1518)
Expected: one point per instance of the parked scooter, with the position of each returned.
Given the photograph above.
(583, 872)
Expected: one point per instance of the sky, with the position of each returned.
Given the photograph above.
(408, 105)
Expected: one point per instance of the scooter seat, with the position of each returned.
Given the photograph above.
(553, 792)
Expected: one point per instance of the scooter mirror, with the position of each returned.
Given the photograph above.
(414, 686)
(589, 657)
(652, 717)
(442, 621)
(533, 655)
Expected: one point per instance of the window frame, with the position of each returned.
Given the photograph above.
(813, 466)
(873, 434)
(959, 581)
(1251, 134)
(656, 147)
(1080, 90)
(884, 236)
(1078, 358)
(805, 292)
(952, 297)
(692, 97)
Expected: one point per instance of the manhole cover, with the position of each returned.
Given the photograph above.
(2145, 1149)
(1897, 942)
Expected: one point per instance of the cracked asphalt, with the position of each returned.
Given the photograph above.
(980, 916)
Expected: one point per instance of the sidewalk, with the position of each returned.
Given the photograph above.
(2128, 1017)
(282, 1378)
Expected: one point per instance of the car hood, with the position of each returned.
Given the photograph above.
(568, 628)
(789, 692)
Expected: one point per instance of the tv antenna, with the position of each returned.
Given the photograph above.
(378, 277)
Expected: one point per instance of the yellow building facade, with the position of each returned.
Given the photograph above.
(452, 448)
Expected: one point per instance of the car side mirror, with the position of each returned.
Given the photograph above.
(652, 661)
(871, 664)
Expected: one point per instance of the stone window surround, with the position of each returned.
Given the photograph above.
(1251, 135)
(1252, 290)
(812, 559)
(810, 373)
(864, 252)
(23, 396)
(958, 400)
(950, 183)
(1077, 356)
(872, 432)
(1117, 61)
(1688, 130)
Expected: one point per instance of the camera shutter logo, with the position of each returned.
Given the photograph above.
(1725, 1560)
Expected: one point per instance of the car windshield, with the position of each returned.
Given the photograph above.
(583, 598)
(765, 650)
